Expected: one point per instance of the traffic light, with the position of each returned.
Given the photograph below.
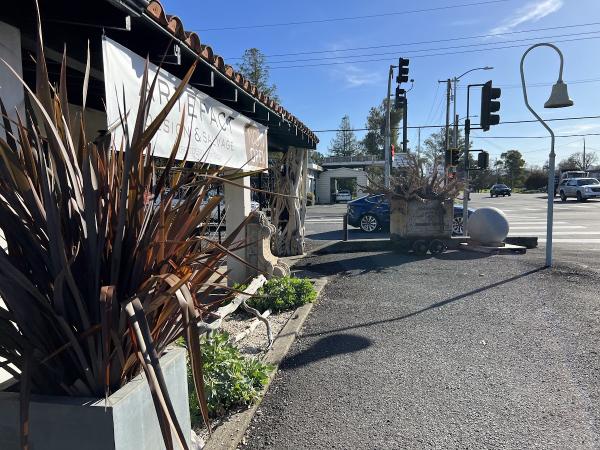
(452, 157)
(488, 106)
(402, 70)
(483, 160)
(398, 101)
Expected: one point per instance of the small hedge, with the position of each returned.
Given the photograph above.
(230, 380)
(282, 294)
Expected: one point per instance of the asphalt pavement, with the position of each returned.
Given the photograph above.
(576, 225)
(459, 351)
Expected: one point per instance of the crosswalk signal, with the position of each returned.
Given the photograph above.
(489, 106)
(483, 160)
(402, 70)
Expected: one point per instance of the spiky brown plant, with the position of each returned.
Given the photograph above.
(101, 271)
(412, 182)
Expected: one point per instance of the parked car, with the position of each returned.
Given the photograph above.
(343, 195)
(580, 188)
(372, 213)
(500, 190)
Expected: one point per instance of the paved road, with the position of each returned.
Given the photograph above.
(576, 225)
(460, 351)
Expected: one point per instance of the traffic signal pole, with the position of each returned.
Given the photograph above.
(466, 191)
(388, 132)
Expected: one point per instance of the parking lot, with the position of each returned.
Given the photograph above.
(576, 225)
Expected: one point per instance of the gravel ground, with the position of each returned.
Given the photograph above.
(256, 342)
(459, 351)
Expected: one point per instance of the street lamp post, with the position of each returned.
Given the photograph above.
(559, 98)
(455, 81)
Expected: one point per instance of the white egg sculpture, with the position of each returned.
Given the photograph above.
(488, 225)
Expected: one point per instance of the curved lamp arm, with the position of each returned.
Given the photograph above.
(473, 70)
(560, 72)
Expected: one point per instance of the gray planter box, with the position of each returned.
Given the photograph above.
(128, 422)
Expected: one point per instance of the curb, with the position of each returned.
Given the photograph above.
(229, 435)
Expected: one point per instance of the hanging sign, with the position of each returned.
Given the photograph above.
(216, 134)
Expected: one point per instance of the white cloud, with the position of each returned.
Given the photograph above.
(581, 128)
(354, 76)
(531, 12)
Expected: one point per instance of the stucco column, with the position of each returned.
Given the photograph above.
(11, 89)
(237, 205)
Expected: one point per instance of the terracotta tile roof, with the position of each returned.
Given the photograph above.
(175, 26)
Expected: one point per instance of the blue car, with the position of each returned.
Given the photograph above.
(372, 213)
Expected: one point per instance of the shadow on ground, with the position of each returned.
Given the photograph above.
(327, 347)
(432, 306)
(377, 263)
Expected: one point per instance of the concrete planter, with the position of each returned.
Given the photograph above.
(127, 422)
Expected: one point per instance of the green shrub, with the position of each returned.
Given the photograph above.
(230, 379)
(282, 294)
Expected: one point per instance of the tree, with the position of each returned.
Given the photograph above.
(435, 146)
(576, 162)
(344, 143)
(316, 157)
(255, 69)
(536, 179)
(513, 163)
(374, 140)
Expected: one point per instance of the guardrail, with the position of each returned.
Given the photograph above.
(345, 159)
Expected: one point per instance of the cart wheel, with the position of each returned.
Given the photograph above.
(437, 247)
(420, 247)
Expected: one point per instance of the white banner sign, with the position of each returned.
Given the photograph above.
(216, 134)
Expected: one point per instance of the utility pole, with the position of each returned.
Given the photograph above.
(584, 163)
(419, 143)
(388, 131)
(405, 125)
(466, 191)
(447, 143)
(455, 138)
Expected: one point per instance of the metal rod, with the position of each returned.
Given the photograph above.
(345, 236)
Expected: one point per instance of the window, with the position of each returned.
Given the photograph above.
(587, 181)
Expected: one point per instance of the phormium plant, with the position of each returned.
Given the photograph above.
(101, 272)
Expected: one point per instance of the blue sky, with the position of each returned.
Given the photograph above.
(321, 94)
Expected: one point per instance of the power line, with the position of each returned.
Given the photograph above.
(342, 19)
(505, 122)
(425, 56)
(435, 41)
(530, 85)
(411, 52)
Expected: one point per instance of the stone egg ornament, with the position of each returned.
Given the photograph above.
(488, 225)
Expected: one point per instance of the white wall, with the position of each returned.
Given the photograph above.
(324, 182)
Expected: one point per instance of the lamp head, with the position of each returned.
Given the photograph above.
(559, 98)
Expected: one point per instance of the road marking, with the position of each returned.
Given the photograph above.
(535, 222)
(531, 233)
(537, 227)
(570, 241)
